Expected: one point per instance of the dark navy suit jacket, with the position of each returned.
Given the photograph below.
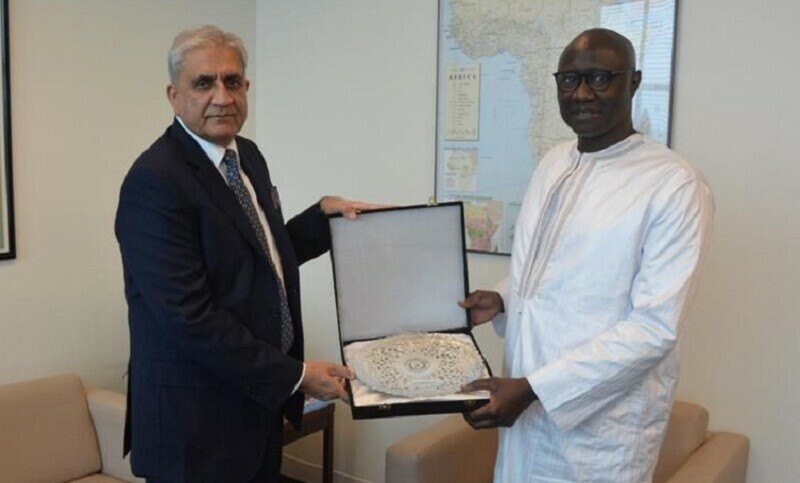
(207, 378)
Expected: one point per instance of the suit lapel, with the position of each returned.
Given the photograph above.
(210, 178)
(259, 178)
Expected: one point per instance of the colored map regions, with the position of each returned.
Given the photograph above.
(497, 111)
(482, 221)
(461, 166)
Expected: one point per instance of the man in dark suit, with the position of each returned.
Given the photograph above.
(212, 284)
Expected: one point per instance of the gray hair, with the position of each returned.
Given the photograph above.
(205, 36)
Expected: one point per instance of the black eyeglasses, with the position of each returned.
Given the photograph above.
(598, 80)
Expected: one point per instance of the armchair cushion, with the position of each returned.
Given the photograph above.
(686, 431)
(452, 451)
(721, 459)
(449, 450)
(46, 433)
(98, 478)
(107, 409)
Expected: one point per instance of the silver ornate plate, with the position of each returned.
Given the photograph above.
(418, 364)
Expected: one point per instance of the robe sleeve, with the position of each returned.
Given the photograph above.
(499, 322)
(580, 383)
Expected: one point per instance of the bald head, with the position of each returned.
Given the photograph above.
(596, 81)
(602, 39)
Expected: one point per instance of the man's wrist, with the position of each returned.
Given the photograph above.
(529, 392)
(502, 303)
(300, 382)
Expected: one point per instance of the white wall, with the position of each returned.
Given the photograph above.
(742, 346)
(347, 106)
(88, 86)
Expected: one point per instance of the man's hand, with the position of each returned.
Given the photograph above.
(348, 208)
(483, 306)
(508, 398)
(325, 380)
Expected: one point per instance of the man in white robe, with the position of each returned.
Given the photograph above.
(607, 247)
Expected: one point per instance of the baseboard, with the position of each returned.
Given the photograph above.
(310, 473)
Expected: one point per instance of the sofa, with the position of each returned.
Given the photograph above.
(55, 430)
(450, 450)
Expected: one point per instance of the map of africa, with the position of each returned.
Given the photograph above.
(497, 112)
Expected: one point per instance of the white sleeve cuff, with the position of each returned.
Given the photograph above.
(302, 376)
(499, 322)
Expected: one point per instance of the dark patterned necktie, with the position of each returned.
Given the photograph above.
(246, 202)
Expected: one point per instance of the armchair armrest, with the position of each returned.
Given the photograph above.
(722, 458)
(108, 415)
(449, 450)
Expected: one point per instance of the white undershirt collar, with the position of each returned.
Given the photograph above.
(215, 152)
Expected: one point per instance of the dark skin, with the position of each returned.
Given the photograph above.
(600, 119)
(508, 397)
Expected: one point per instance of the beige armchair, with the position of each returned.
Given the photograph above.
(452, 451)
(53, 430)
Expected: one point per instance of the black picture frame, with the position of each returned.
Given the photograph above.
(7, 235)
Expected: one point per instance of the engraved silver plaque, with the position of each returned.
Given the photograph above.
(418, 364)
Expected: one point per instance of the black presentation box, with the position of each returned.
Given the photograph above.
(401, 270)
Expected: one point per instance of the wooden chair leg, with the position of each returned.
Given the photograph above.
(327, 451)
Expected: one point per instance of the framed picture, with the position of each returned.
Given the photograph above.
(497, 112)
(7, 247)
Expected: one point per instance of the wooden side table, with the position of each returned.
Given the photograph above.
(318, 420)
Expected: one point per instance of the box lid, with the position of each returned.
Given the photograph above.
(400, 270)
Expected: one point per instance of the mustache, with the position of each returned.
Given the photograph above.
(225, 113)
